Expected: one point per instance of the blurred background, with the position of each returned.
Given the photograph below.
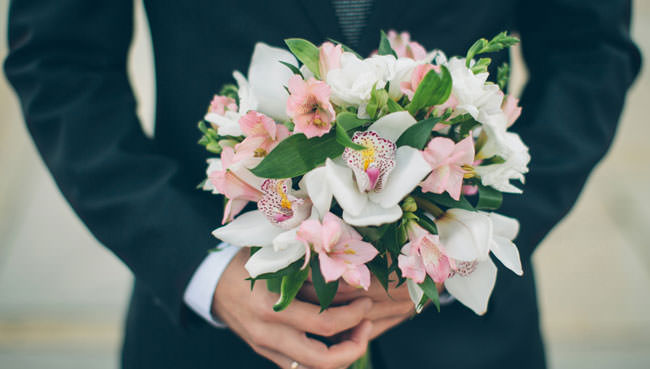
(63, 296)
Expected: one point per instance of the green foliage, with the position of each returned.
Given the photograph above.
(325, 291)
(488, 198)
(434, 89)
(210, 138)
(481, 66)
(297, 155)
(274, 284)
(345, 140)
(418, 134)
(384, 46)
(445, 200)
(349, 120)
(393, 106)
(426, 223)
(431, 291)
(231, 91)
(497, 43)
(292, 68)
(377, 106)
(291, 284)
(379, 268)
(306, 52)
(503, 76)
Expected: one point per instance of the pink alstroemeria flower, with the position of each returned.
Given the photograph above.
(329, 58)
(340, 248)
(221, 104)
(404, 47)
(262, 134)
(511, 109)
(235, 189)
(309, 106)
(424, 254)
(447, 161)
(281, 206)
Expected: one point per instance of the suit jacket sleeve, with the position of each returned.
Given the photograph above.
(67, 62)
(581, 62)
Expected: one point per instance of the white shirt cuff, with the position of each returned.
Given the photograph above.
(200, 291)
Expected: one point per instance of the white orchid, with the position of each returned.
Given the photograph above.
(263, 91)
(273, 228)
(369, 184)
(468, 237)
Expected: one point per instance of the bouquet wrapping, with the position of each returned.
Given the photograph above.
(392, 166)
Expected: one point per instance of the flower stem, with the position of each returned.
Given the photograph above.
(429, 207)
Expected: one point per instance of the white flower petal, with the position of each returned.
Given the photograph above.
(410, 170)
(373, 215)
(247, 230)
(286, 240)
(504, 226)
(475, 289)
(267, 260)
(228, 124)
(507, 253)
(343, 187)
(316, 185)
(267, 78)
(466, 235)
(247, 100)
(392, 126)
(416, 293)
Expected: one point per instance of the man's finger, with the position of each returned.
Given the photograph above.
(279, 359)
(349, 350)
(389, 308)
(307, 317)
(382, 325)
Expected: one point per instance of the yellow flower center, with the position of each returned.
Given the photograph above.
(368, 154)
(285, 203)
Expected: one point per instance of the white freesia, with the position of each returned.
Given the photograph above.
(228, 123)
(375, 207)
(279, 247)
(352, 83)
(474, 96)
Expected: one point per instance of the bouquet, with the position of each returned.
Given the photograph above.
(392, 165)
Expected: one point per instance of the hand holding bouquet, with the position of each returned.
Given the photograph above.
(390, 165)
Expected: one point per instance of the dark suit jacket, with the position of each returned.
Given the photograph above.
(136, 195)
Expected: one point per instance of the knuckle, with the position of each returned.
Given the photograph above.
(326, 327)
(257, 336)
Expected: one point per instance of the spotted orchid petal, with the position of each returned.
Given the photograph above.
(473, 289)
(391, 126)
(373, 165)
(238, 232)
(410, 169)
(280, 205)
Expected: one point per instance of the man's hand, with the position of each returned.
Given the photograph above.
(281, 336)
(388, 309)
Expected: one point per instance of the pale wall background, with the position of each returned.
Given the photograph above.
(62, 296)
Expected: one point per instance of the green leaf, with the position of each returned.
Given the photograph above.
(292, 268)
(349, 120)
(431, 291)
(231, 91)
(373, 234)
(297, 155)
(497, 43)
(379, 268)
(503, 76)
(465, 127)
(389, 241)
(476, 48)
(384, 46)
(418, 134)
(306, 52)
(345, 140)
(488, 198)
(291, 284)
(213, 147)
(274, 284)
(202, 127)
(325, 291)
(377, 103)
(434, 89)
(293, 68)
(426, 223)
(205, 140)
(481, 66)
(445, 200)
(393, 106)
